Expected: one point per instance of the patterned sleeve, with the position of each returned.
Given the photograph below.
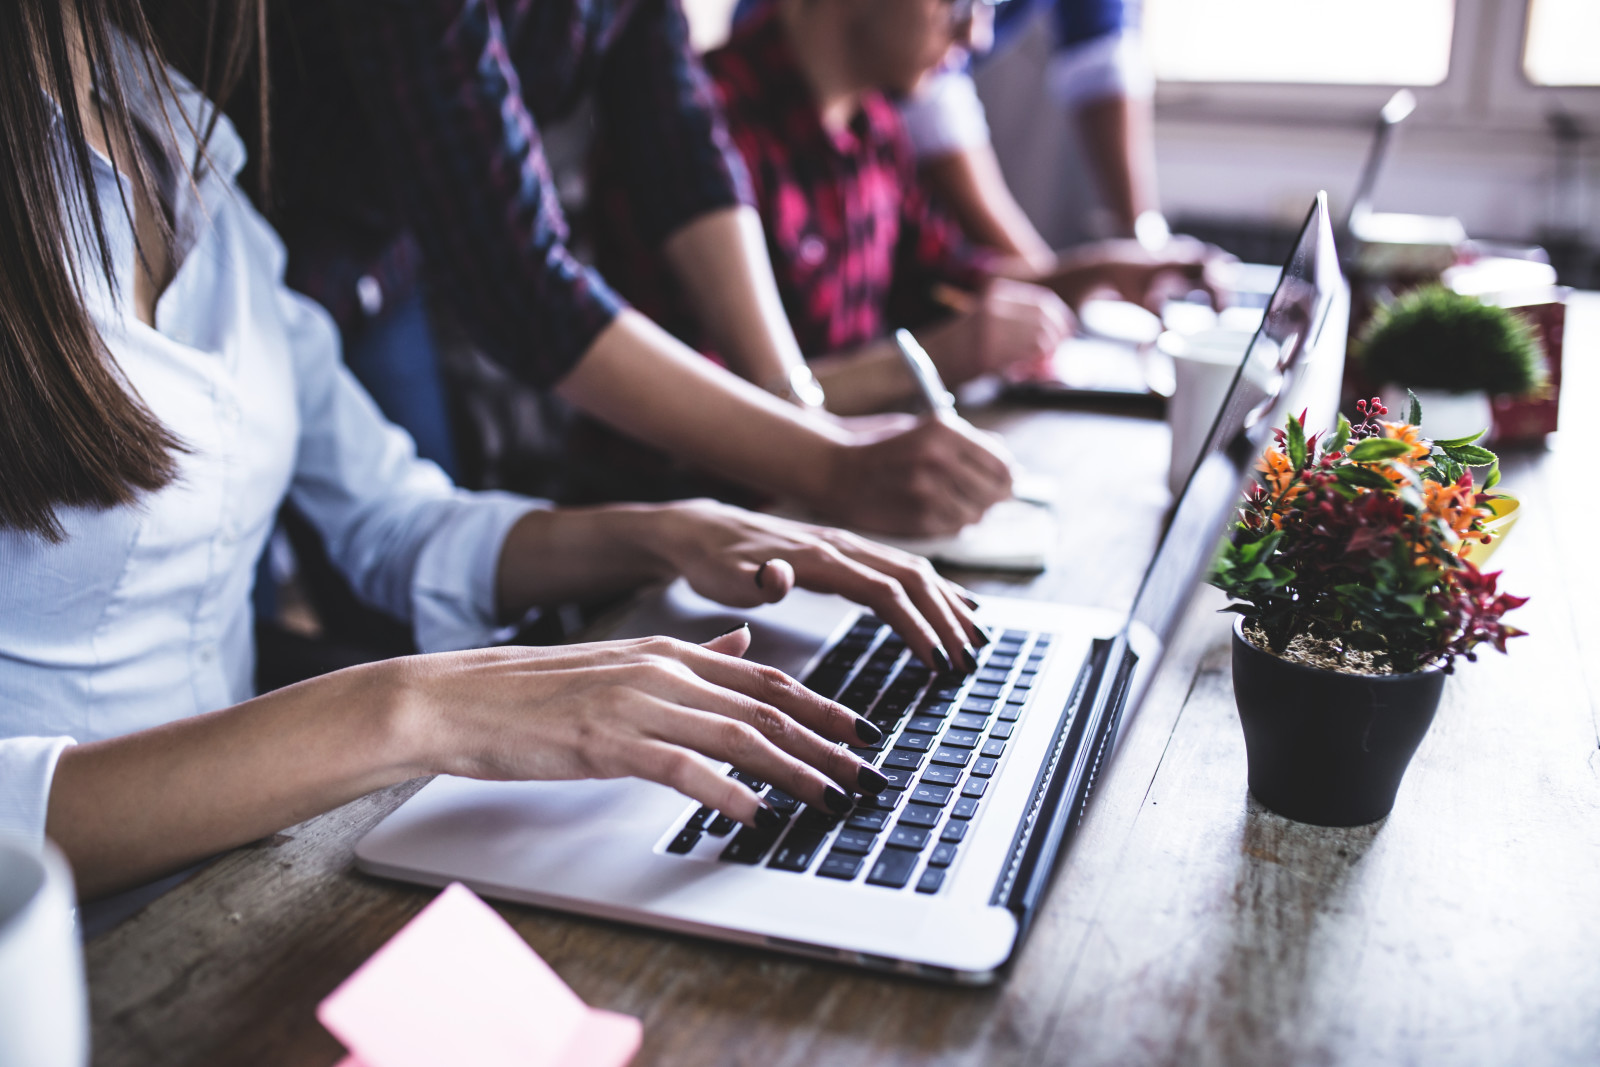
(931, 252)
(659, 118)
(445, 105)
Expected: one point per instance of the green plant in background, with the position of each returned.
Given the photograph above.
(1433, 338)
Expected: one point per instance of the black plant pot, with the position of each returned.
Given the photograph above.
(1325, 747)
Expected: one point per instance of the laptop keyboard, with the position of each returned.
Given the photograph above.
(945, 737)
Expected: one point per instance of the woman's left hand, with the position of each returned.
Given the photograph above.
(742, 559)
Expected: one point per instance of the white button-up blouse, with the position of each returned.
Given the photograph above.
(142, 615)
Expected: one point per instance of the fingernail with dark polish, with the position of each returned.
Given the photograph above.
(767, 819)
(969, 658)
(836, 800)
(868, 732)
(733, 629)
(941, 662)
(968, 601)
(871, 780)
(984, 636)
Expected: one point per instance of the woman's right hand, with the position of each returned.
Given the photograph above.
(654, 708)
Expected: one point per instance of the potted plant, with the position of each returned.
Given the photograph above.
(1454, 352)
(1348, 573)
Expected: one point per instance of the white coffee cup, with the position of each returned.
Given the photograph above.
(44, 1003)
(1203, 368)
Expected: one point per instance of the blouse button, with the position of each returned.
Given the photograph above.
(813, 250)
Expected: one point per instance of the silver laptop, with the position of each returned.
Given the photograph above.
(941, 875)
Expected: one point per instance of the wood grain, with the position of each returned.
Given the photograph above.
(1185, 926)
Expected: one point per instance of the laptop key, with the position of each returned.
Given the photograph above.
(1013, 637)
(985, 689)
(954, 832)
(748, 846)
(840, 865)
(994, 747)
(915, 742)
(962, 738)
(815, 820)
(796, 852)
(935, 706)
(974, 787)
(952, 757)
(965, 808)
(905, 760)
(920, 815)
(698, 819)
(720, 826)
(887, 800)
(1001, 660)
(893, 868)
(942, 775)
(968, 720)
(910, 837)
(1010, 713)
(928, 793)
(979, 705)
(1002, 730)
(943, 855)
(984, 768)
(899, 777)
(924, 724)
(872, 821)
(931, 880)
(687, 838)
(855, 842)
(996, 676)
(781, 802)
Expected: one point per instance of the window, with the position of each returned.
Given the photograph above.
(1347, 42)
(1563, 42)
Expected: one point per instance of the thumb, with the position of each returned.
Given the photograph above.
(735, 642)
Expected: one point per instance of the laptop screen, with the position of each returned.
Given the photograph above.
(1295, 361)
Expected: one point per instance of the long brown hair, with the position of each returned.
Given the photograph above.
(72, 431)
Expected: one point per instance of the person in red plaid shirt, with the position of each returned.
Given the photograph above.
(857, 245)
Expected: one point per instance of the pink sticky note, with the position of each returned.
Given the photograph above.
(457, 985)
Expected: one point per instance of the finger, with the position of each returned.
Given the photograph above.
(951, 492)
(761, 683)
(734, 642)
(886, 588)
(677, 768)
(983, 452)
(774, 577)
(957, 631)
(763, 742)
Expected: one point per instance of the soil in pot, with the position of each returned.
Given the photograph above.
(1325, 746)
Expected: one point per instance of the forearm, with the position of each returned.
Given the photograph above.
(970, 185)
(1117, 135)
(640, 380)
(720, 259)
(868, 380)
(571, 554)
(129, 809)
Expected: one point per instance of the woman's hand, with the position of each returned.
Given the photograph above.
(654, 708)
(743, 559)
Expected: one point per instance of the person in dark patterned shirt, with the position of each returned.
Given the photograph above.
(857, 245)
(409, 150)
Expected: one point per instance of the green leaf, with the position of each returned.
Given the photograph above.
(1365, 477)
(1471, 455)
(1296, 440)
(1414, 417)
(1493, 479)
(1341, 437)
(1375, 448)
(1457, 442)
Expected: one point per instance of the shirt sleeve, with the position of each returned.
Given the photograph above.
(945, 116)
(659, 118)
(1112, 65)
(407, 540)
(444, 102)
(27, 767)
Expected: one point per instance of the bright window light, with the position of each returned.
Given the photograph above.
(1563, 44)
(1321, 42)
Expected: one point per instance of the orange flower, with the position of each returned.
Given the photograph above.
(1454, 506)
(1411, 435)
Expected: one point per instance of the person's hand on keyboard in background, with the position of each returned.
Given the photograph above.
(1010, 326)
(744, 559)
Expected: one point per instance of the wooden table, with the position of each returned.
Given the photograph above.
(1186, 925)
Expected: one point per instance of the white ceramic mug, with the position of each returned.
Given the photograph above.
(44, 1003)
(1203, 368)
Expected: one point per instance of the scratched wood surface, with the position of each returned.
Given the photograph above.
(1186, 925)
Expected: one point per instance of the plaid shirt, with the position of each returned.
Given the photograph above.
(407, 145)
(855, 242)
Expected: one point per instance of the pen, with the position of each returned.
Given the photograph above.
(926, 376)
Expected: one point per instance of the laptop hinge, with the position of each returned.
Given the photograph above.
(1083, 740)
